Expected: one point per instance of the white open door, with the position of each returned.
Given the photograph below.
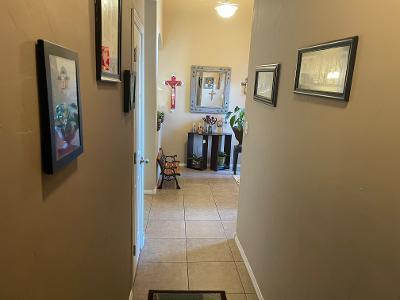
(138, 125)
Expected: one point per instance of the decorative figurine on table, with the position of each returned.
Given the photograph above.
(210, 121)
(200, 129)
(220, 125)
(173, 83)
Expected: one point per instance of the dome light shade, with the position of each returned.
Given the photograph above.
(226, 10)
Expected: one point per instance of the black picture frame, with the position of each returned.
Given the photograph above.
(273, 71)
(351, 44)
(101, 75)
(129, 90)
(61, 122)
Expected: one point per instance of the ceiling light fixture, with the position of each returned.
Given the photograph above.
(226, 9)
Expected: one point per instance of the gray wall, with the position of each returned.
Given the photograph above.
(319, 211)
(66, 236)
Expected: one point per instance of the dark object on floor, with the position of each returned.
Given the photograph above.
(187, 295)
(236, 150)
(169, 168)
(216, 141)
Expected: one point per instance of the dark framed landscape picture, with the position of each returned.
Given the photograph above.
(266, 84)
(60, 105)
(108, 40)
(326, 70)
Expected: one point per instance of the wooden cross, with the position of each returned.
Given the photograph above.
(173, 83)
(212, 93)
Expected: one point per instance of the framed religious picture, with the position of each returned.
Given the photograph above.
(266, 84)
(326, 70)
(208, 83)
(108, 40)
(60, 105)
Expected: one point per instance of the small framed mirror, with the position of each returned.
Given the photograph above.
(209, 89)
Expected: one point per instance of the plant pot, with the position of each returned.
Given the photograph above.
(221, 161)
(238, 134)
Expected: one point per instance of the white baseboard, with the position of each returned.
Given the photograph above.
(182, 165)
(249, 270)
(150, 192)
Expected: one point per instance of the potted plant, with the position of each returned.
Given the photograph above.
(236, 120)
(160, 119)
(197, 161)
(221, 159)
(66, 123)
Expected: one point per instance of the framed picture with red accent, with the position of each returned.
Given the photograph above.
(108, 40)
(60, 105)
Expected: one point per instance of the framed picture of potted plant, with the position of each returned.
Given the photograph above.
(60, 105)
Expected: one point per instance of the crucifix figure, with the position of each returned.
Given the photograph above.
(212, 93)
(173, 83)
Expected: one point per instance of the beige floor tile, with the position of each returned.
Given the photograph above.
(227, 203)
(214, 276)
(167, 204)
(199, 203)
(229, 229)
(236, 296)
(167, 213)
(148, 199)
(190, 195)
(252, 296)
(164, 250)
(166, 194)
(204, 229)
(202, 250)
(228, 214)
(235, 250)
(201, 214)
(145, 222)
(165, 229)
(225, 188)
(190, 181)
(161, 276)
(245, 278)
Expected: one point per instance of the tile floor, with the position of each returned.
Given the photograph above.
(190, 238)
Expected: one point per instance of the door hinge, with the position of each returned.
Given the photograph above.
(134, 250)
(134, 158)
(134, 55)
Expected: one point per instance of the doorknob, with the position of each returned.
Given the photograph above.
(144, 161)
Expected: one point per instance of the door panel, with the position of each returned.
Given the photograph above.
(138, 125)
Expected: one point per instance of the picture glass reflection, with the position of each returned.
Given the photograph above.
(324, 70)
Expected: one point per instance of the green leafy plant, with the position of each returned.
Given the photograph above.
(236, 119)
(67, 120)
(160, 119)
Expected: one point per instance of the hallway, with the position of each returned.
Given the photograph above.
(190, 239)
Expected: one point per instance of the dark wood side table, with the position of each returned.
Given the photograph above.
(236, 150)
(215, 146)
